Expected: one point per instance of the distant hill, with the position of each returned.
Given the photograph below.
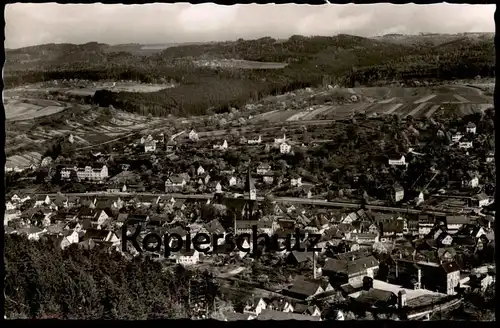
(319, 60)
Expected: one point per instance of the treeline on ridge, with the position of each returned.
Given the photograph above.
(312, 61)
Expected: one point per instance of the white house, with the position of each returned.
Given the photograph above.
(471, 182)
(263, 168)
(420, 198)
(455, 223)
(456, 137)
(232, 181)
(255, 309)
(87, 173)
(280, 141)
(481, 200)
(149, 146)
(296, 182)
(471, 128)
(218, 188)
(71, 139)
(221, 147)
(193, 136)
(33, 233)
(188, 257)
(285, 148)
(42, 200)
(9, 206)
(398, 162)
(254, 141)
(70, 239)
(465, 144)
(175, 181)
(490, 157)
(200, 170)
(15, 198)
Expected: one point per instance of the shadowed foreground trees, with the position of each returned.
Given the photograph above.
(43, 281)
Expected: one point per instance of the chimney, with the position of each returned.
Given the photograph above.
(314, 265)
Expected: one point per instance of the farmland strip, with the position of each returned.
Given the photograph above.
(461, 99)
(316, 112)
(392, 109)
(432, 111)
(416, 110)
(386, 101)
(424, 99)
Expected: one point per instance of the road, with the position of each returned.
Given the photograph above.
(294, 200)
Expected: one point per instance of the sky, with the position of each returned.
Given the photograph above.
(31, 24)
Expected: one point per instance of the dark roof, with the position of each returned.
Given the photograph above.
(214, 227)
(122, 217)
(278, 315)
(481, 196)
(305, 287)
(176, 179)
(457, 219)
(95, 234)
(302, 256)
(138, 217)
(178, 230)
(349, 267)
(395, 226)
(450, 267)
(248, 224)
(235, 316)
(87, 213)
(374, 296)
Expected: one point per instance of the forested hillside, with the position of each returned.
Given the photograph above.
(43, 281)
(343, 59)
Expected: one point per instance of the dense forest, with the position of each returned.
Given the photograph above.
(312, 61)
(43, 281)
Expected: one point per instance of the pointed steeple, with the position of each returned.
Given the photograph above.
(250, 186)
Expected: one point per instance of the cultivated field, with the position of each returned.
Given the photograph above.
(25, 109)
(424, 102)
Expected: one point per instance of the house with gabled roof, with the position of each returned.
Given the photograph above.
(200, 170)
(471, 128)
(306, 309)
(41, 200)
(33, 233)
(175, 181)
(279, 304)
(351, 272)
(456, 222)
(185, 257)
(263, 168)
(481, 200)
(304, 289)
(193, 136)
(255, 308)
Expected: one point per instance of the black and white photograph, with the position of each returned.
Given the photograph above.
(243, 162)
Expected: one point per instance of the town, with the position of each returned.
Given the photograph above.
(402, 240)
(268, 163)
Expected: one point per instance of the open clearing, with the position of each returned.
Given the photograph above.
(16, 110)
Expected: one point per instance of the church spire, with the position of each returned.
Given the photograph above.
(252, 191)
